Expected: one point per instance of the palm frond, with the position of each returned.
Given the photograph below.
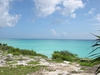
(94, 54)
(96, 35)
(95, 45)
(97, 70)
(95, 57)
(94, 50)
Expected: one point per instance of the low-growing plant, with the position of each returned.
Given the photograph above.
(17, 51)
(19, 70)
(33, 62)
(64, 55)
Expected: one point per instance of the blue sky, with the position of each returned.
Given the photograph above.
(49, 19)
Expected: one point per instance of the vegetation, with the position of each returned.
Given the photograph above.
(60, 56)
(5, 50)
(64, 55)
(17, 51)
(32, 62)
(96, 56)
(19, 70)
(87, 62)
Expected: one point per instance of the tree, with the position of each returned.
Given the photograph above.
(96, 56)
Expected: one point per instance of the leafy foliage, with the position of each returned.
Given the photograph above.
(96, 56)
(64, 55)
(60, 56)
(17, 51)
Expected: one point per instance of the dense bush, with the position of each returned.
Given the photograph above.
(17, 51)
(64, 55)
(60, 56)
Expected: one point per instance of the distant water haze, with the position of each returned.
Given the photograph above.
(47, 47)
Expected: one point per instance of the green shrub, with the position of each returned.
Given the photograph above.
(4, 44)
(0, 44)
(64, 55)
(17, 51)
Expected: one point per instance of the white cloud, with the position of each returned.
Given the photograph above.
(44, 8)
(7, 19)
(70, 6)
(58, 21)
(73, 15)
(53, 31)
(64, 33)
(60, 34)
(97, 17)
(90, 11)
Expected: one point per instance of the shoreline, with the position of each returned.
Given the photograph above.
(27, 60)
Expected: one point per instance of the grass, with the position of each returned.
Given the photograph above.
(10, 63)
(58, 60)
(32, 62)
(82, 68)
(60, 56)
(19, 70)
(88, 63)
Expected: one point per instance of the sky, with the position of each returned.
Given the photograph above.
(49, 19)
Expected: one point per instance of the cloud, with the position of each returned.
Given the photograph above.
(97, 17)
(58, 21)
(73, 15)
(53, 31)
(7, 19)
(90, 11)
(64, 33)
(61, 34)
(70, 6)
(45, 8)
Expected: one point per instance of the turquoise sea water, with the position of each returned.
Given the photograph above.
(47, 47)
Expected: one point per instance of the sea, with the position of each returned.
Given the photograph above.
(81, 47)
